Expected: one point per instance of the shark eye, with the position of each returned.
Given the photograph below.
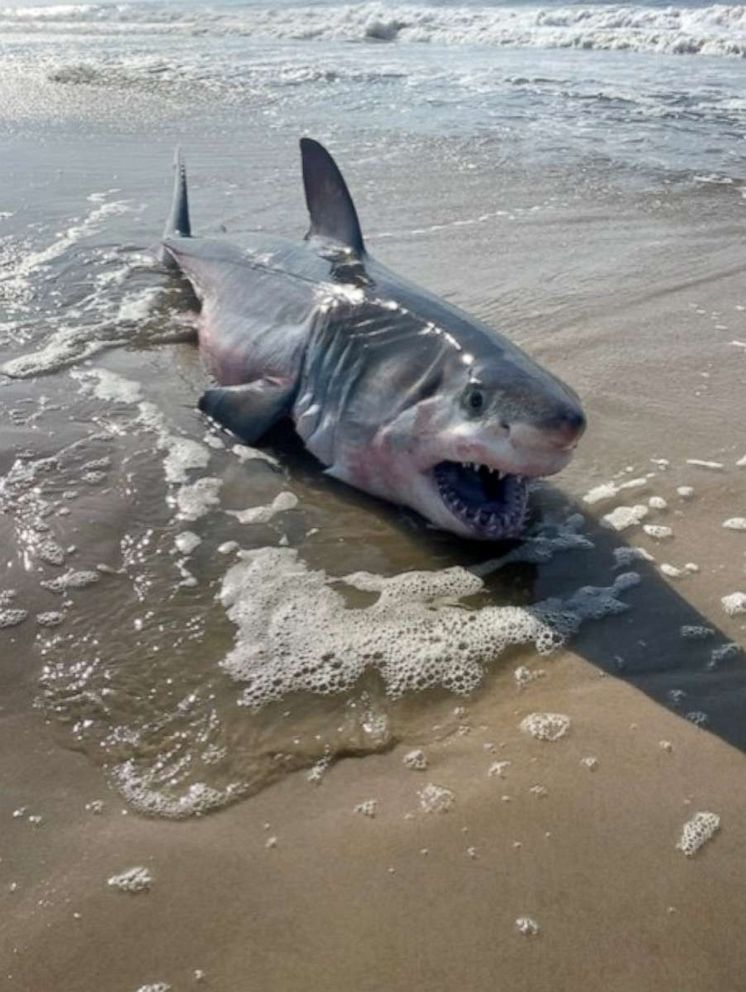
(474, 399)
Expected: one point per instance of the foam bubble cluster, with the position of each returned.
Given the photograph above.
(546, 726)
(263, 514)
(12, 617)
(658, 531)
(415, 760)
(734, 603)
(297, 632)
(140, 790)
(137, 879)
(624, 517)
(436, 799)
(697, 831)
(71, 580)
(735, 523)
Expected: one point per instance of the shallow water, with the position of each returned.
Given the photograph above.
(604, 253)
(583, 194)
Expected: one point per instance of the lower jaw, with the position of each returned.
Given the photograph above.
(497, 530)
(505, 524)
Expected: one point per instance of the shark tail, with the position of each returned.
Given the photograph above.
(178, 224)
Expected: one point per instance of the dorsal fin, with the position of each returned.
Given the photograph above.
(330, 205)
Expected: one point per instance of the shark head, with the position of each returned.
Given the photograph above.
(417, 402)
(460, 443)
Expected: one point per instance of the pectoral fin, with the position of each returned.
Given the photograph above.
(248, 410)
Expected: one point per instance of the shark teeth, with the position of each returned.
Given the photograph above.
(498, 473)
(492, 503)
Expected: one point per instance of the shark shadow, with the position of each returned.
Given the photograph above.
(662, 645)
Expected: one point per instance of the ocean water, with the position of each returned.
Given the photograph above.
(651, 85)
(572, 173)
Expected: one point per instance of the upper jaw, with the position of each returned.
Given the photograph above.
(480, 503)
(484, 496)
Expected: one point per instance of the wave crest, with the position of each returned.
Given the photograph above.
(719, 29)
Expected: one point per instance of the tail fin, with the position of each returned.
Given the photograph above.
(178, 224)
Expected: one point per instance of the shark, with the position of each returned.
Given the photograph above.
(395, 391)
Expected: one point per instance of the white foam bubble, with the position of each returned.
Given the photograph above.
(498, 768)
(436, 799)
(600, 493)
(50, 618)
(316, 772)
(138, 789)
(699, 463)
(608, 490)
(71, 580)
(702, 827)
(415, 760)
(735, 523)
(624, 557)
(685, 492)
(51, 552)
(734, 603)
(694, 632)
(183, 455)
(369, 808)
(546, 726)
(657, 531)
(657, 503)
(137, 879)
(195, 500)
(672, 571)
(716, 30)
(698, 717)
(110, 386)
(137, 306)
(527, 926)
(12, 617)
(725, 652)
(244, 453)
(263, 514)
(187, 541)
(296, 632)
(523, 675)
(624, 517)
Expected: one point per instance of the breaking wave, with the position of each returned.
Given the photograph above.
(716, 30)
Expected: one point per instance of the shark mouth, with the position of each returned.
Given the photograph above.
(491, 503)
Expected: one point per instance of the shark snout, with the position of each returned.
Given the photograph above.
(560, 432)
(546, 447)
(565, 430)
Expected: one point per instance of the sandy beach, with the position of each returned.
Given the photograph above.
(586, 201)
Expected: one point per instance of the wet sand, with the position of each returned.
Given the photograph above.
(347, 901)
(635, 300)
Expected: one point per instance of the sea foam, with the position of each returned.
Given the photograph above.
(296, 631)
(716, 30)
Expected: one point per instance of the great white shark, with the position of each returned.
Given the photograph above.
(395, 391)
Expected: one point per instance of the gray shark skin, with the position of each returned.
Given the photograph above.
(395, 391)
